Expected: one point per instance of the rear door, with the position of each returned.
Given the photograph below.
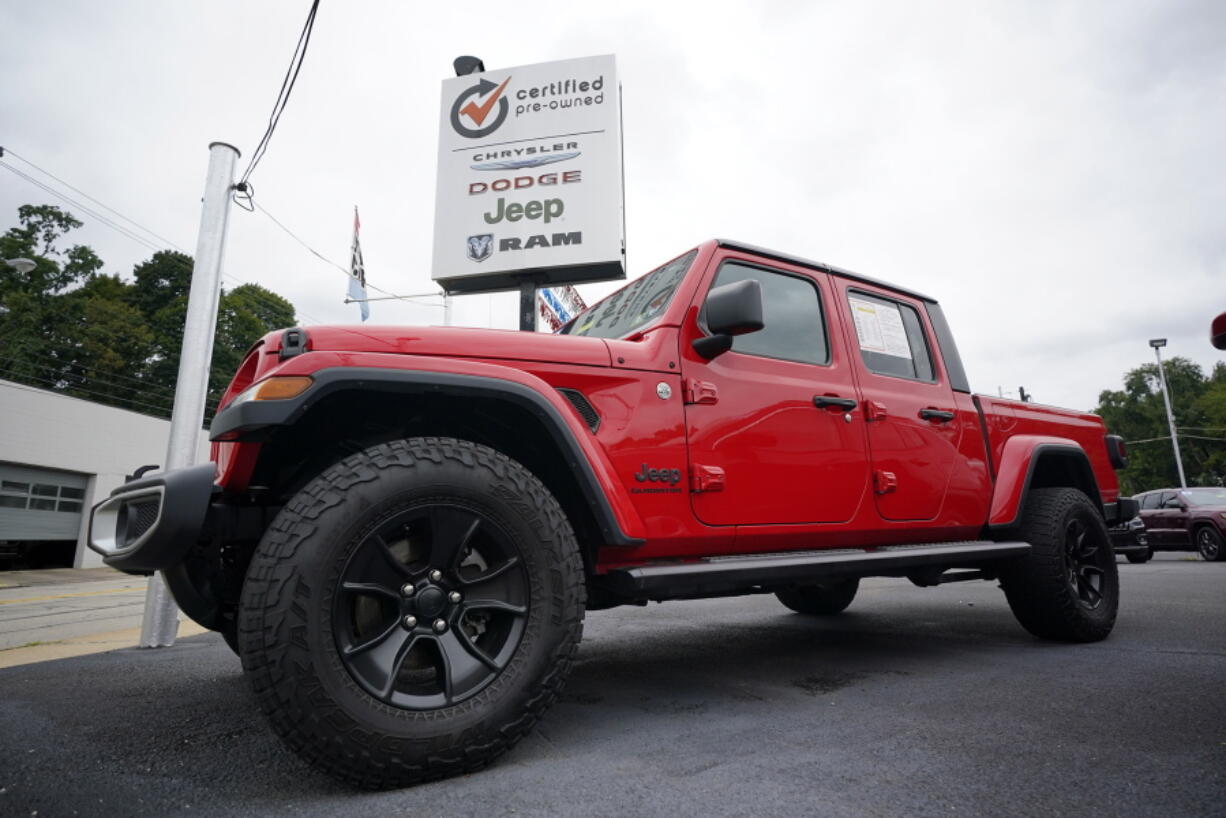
(753, 420)
(914, 426)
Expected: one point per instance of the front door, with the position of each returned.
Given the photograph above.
(775, 420)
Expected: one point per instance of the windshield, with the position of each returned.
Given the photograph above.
(633, 306)
(1204, 497)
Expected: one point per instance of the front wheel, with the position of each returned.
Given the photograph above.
(1141, 556)
(1209, 544)
(1067, 588)
(412, 612)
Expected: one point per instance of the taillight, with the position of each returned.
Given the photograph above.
(1117, 451)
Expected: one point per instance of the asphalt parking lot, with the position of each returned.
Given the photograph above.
(914, 702)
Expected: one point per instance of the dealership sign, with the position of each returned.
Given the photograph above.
(530, 177)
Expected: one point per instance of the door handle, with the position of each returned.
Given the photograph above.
(937, 414)
(828, 401)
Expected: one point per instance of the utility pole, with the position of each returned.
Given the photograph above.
(161, 621)
(1157, 344)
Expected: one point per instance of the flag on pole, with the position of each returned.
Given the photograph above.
(557, 305)
(357, 270)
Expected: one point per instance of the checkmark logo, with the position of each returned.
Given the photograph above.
(478, 113)
(467, 105)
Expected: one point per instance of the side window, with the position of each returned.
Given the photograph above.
(1170, 500)
(891, 337)
(1150, 501)
(792, 311)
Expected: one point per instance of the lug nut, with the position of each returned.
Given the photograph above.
(439, 626)
(407, 589)
(454, 596)
(410, 622)
(436, 575)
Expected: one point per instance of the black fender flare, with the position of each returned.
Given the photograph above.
(250, 420)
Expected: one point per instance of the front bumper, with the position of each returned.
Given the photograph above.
(1129, 538)
(149, 524)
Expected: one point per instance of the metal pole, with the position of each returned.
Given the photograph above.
(1170, 419)
(446, 310)
(161, 621)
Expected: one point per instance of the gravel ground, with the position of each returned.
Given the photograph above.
(915, 702)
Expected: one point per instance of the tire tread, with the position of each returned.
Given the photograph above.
(271, 574)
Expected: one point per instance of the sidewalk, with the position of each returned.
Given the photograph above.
(51, 614)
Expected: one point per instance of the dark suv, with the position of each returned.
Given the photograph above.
(1186, 520)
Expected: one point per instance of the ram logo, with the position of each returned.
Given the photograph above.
(481, 247)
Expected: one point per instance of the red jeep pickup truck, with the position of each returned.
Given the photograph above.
(403, 527)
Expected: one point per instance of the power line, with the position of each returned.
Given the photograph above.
(183, 265)
(332, 263)
(85, 208)
(44, 172)
(294, 236)
(287, 86)
(144, 242)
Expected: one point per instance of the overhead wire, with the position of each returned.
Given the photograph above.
(183, 265)
(104, 206)
(287, 87)
(332, 263)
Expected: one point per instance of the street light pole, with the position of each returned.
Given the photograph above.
(1157, 344)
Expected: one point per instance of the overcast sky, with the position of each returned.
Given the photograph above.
(1051, 172)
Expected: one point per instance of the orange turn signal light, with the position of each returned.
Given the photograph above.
(280, 388)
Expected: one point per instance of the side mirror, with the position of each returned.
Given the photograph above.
(1217, 331)
(731, 310)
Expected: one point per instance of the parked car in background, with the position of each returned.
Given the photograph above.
(1131, 541)
(1186, 520)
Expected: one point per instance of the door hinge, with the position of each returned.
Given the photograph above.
(706, 478)
(874, 410)
(696, 391)
(884, 481)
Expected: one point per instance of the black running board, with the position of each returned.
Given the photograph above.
(722, 575)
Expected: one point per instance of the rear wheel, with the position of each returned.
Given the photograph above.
(824, 599)
(1209, 544)
(1068, 587)
(412, 612)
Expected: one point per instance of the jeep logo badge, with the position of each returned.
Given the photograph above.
(670, 476)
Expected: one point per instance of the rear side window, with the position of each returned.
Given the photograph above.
(891, 337)
(791, 310)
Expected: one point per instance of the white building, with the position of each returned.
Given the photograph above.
(59, 456)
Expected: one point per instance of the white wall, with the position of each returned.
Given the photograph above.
(45, 429)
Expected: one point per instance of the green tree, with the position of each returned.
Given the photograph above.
(1138, 414)
(31, 325)
(66, 326)
(245, 314)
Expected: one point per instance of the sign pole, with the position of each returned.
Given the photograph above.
(161, 620)
(527, 305)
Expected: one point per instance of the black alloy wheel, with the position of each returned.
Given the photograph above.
(1082, 568)
(430, 607)
(1067, 588)
(1209, 544)
(412, 611)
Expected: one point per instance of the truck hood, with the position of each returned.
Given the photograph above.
(456, 342)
